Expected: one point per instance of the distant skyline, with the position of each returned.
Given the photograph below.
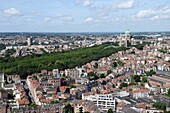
(84, 15)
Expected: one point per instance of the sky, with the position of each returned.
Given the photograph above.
(84, 15)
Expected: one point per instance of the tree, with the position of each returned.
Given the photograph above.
(68, 109)
(60, 60)
(2, 46)
(136, 78)
(150, 73)
(160, 105)
(109, 72)
(168, 93)
(114, 65)
(73, 86)
(35, 77)
(110, 111)
(92, 76)
(102, 76)
(140, 46)
(132, 83)
(96, 65)
(120, 63)
(9, 52)
(144, 79)
(33, 105)
(123, 85)
(54, 102)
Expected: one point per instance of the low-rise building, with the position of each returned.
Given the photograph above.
(3, 94)
(103, 101)
(140, 93)
(154, 110)
(85, 106)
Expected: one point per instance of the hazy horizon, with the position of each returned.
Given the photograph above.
(85, 32)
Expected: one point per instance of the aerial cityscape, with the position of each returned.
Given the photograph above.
(85, 56)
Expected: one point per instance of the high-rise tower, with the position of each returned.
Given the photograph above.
(29, 41)
(125, 39)
(2, 80)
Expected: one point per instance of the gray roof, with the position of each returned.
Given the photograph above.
(129, 110)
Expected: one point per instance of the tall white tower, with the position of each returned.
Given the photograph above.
(2, 80)
(29, 41)
(127, 38)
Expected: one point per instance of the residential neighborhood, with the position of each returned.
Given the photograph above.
(135, 80)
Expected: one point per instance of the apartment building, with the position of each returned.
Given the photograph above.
(102, 101)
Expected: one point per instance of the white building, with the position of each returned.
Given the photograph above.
(56, 73)
(167, 57)
(2, 81)
(124, 39)
(29, 41)
(122, 93)
(73, 73)
(103, 101)
(140, 93)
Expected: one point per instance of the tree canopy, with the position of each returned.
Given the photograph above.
(136, 78)
(123, 85)
(2, 46)
(150, 73)
(62, 60)
(168, 93)
(160, 105)
(110, 111)
(68, 109)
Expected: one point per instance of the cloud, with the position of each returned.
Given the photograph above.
(86, 3)
(65, 18)
(12, 12)
(89, 20)
(154, 14)
(123, 5)
(47, 19)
